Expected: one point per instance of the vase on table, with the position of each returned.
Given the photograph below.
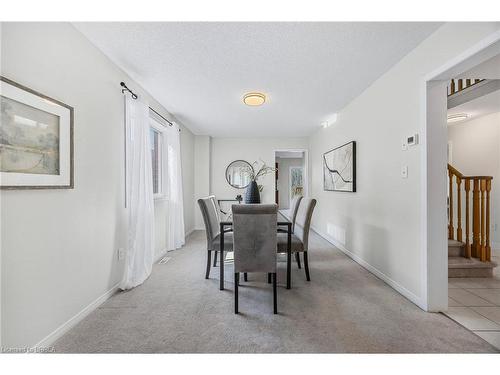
(252, 194)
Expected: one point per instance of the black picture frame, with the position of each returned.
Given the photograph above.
(328, 171)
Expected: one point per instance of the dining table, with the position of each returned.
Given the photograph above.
(282, 223)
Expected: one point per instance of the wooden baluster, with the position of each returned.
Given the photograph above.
(467, 218)
(452, 87)
(488, 247)
(459, 210)
(451, 230)
(460, 84)
(483, 221)
(475, 219)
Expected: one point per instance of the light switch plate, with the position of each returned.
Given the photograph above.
(404, 171)
(121, 254)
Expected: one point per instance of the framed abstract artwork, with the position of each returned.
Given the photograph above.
(36, 139)
(339, 168)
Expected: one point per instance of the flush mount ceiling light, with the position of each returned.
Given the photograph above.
(457, 117)
(254, 98)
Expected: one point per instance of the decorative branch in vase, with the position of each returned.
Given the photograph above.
(252, 193)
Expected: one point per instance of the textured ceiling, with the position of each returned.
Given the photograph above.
(199, 71)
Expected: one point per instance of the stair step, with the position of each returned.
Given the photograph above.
(469, 267)
(456, 248)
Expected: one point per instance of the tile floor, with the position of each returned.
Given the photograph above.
(475, 304)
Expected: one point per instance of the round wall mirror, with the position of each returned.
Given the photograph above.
(237, 174)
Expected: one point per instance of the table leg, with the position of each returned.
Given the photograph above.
(221, 260)
(289, 258)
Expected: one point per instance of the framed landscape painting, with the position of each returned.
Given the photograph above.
(36, 139)
(339, 168)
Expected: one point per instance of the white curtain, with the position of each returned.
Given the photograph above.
(173, 187)
(140, 241)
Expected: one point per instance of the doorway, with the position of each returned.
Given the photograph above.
(290, 176)
(480, 61)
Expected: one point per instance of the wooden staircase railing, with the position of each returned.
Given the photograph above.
(459, 84)
(477, 246)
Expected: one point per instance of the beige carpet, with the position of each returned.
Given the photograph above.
(343, 309)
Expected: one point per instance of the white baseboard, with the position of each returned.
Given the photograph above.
(190, 231)
(382, 276)
(61, 330)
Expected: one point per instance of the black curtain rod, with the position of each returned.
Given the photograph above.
(134, 96)
(125, 88)
(169, 122)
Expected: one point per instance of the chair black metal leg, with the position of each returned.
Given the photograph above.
(306, 266)
(221, 263)
(297, 258)
(275, 294)
(236, 282)
(245, 276)
(269, 278)
(207, 273)
(289, 258)
(289, 269)
(215, 259)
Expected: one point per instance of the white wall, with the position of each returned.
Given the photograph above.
(59, 247)
(188, 177)
(226, 150)
(284, 165)
(490, 69)
(201, 175)
(381, 225)
(476, 152)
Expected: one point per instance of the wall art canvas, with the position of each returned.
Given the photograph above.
(339, 168)
(296, 182)
(36, 139)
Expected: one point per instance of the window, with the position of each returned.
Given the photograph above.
(156, 158)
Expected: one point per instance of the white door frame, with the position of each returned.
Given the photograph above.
(433, 167)
(306, 165)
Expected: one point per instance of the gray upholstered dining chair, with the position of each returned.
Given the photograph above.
(300, 236)
(211, 217)
(294, 208)
(217, 209)
(255, 243)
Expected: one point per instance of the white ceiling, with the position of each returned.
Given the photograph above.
(482, 106)
(199, 71)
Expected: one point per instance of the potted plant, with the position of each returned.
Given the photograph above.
(252, 193)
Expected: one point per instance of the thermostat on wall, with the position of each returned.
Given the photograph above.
(412, 140)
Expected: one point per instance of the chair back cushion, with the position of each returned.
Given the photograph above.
(209, 211)
(217, 207)
(294, 207)
(254, 237)
(303, 220)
